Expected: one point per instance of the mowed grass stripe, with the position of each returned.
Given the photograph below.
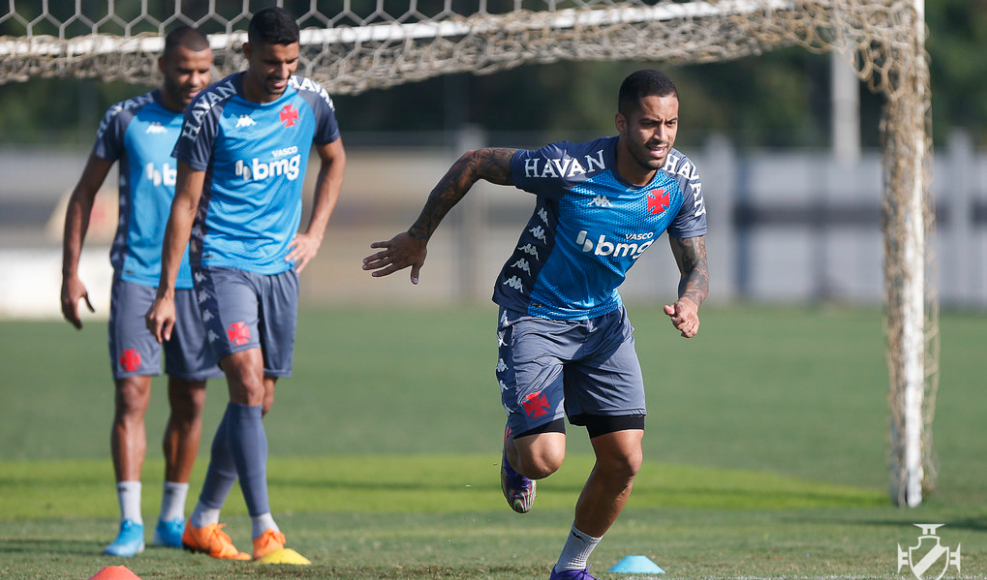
(417, 483)
(853, 542)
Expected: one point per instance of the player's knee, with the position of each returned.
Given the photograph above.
(187, 399)
(246, 388)
(621, 466)
(245, 377)
(132, 395)
(538, 464)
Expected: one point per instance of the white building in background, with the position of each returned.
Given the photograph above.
(785, 226)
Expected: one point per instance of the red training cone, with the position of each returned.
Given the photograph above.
(115, 573)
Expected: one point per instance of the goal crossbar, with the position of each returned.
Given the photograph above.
(101, 44)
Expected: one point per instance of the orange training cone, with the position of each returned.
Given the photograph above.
(115, 573)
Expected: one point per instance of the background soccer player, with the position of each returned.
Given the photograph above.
(141, 133)
(250, 135)
(565, 342)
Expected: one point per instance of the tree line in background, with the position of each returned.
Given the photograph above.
(779, 99)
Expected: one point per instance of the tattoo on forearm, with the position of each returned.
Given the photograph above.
(491, 164)
(690, 253)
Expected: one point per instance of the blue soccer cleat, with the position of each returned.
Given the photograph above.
(518, 489)
(169, 534)
(572, 575)
(129, 542)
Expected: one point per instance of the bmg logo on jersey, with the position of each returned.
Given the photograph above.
(602, 247)
(257, 170)
(166, 175)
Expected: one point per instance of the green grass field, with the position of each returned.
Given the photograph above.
(766, 452)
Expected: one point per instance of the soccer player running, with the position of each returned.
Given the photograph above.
(141, 133)
(241, 165)
(565, 342)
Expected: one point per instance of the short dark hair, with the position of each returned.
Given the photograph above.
(185, 36)
(640, 84)
(272, 26)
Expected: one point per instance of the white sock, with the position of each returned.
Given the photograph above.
(263, 522)
(576, 551)
(173, 501)
(129, 496)
(203, 516)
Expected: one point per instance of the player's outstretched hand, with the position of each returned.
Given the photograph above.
(397, 253)
(74, 290)
(685, 317)
(303, 248)
(160, 318)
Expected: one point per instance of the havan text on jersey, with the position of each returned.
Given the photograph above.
(567, 167)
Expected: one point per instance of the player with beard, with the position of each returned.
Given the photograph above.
(242, 158)
(141, 133)
(566, 346)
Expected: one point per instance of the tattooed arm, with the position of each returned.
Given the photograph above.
(493, 165)
(690, 255)
(409, 248)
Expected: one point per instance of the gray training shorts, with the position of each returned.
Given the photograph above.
(134, 350)
(551, 368)
(244, 310)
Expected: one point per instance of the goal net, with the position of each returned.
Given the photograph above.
(354, 45)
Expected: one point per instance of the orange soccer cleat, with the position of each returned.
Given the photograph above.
(268, 542)
(211, 540)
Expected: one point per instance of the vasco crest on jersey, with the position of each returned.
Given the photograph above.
(289, 115)
(658, 201)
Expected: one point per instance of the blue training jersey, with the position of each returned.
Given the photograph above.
(589, 227)
(254, 156)
(140, 133)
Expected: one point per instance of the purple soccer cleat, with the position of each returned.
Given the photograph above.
(572, 575)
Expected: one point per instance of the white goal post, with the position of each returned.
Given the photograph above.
(354, 45)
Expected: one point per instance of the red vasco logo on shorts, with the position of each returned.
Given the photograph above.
(238, 333)
(535, 405)
(130, 360)
(289, 115)
(657, 201)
